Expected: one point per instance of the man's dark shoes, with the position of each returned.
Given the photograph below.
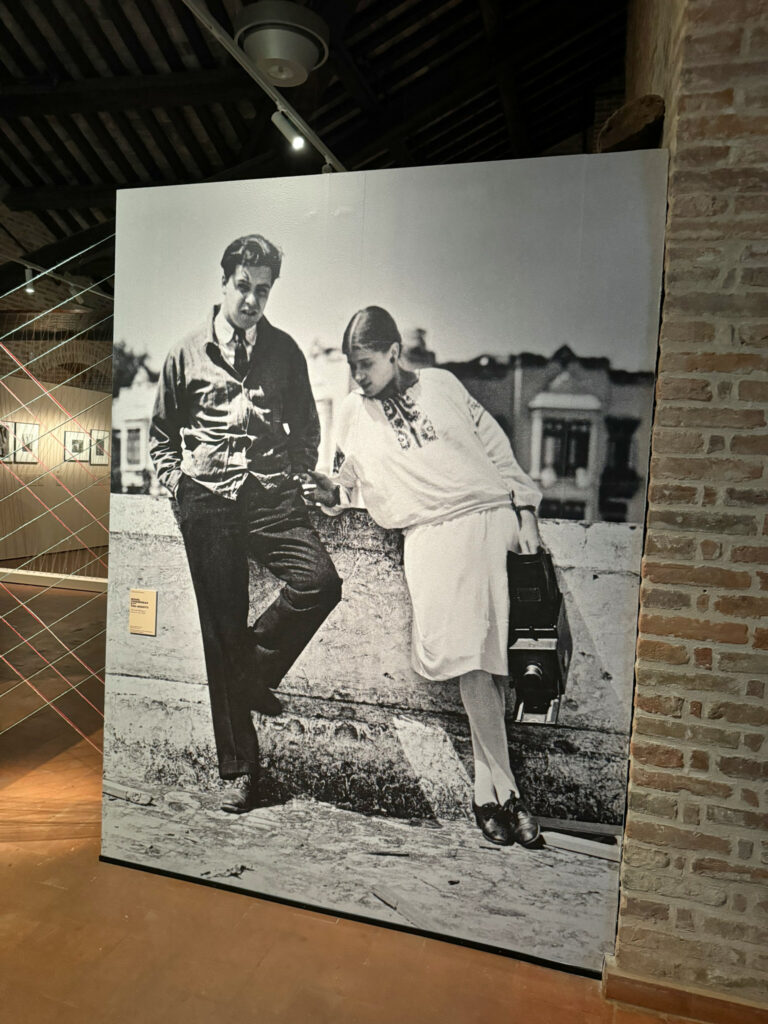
(265, 701)
(243, 797)
(493, 823)
(523, 826)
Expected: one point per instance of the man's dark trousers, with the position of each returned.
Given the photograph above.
(220, 535)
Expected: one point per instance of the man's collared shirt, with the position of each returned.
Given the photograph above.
(224, 334)
(218, 429)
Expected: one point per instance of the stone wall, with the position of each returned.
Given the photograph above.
(360, 728)
(694, 908)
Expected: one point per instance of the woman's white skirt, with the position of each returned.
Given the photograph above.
(456, 572)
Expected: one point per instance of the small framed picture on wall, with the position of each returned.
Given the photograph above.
(99, 447)
(77, 445)
(6, 441)
(26, 436)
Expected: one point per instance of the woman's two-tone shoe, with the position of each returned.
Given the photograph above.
(523, 826)
(493, 822)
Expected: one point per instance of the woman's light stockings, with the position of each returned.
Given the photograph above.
(484, 701)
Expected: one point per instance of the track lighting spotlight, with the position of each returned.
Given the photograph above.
(28, 275)
(283, 125)
(278, 43)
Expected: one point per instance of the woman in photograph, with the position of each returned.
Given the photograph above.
(426, 458)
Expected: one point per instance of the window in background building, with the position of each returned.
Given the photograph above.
(133, 447)
(619, 480)
(620, 454)
(565, 446)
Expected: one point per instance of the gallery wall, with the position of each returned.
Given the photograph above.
(54, 502)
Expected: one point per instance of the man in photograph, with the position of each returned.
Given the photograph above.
(233, 428)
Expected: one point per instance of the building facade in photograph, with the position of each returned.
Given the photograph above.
(578, 426)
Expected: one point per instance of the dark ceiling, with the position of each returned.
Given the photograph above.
(105, 94)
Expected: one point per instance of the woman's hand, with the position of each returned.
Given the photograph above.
(319, 489)
(530, 539)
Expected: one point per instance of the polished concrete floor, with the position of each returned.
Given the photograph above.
(83, 941)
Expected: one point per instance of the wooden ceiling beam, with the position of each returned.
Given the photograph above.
(419, 105)
(499, 39)
(71, 134)
(369, 33)
(307, 98)
(49, 255)
(29, 154)
(56, 197)
(467, 153)
(432, 48)
(158, 132)
(456, 121)
(106, 139)
(184, 130)
(436, 153)
(114, 10)
(166, 146)
(210, 118)
(76, 54)
(128, 92)
(102, 197)
(572, 45)
(38, 44)
(365, 97)
(135, 143)
(428, 100)
(99, 39)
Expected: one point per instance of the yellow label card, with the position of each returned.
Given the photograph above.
(142, 617)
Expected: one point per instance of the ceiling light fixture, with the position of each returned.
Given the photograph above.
(28, 275)
(284, 40)
(285, 127)
(238, 53)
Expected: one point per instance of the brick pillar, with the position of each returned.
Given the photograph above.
(694, 905)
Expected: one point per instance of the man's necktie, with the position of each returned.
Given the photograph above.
(241, 355)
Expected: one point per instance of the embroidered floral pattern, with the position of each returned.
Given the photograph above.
(475, 409)
(409, 423)
(338, 460)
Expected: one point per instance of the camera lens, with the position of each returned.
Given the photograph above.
(533, 672)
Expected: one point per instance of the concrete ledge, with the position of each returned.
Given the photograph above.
(361, 729)
(369, 758)
(662, 997)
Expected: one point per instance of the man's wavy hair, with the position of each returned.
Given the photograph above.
(251, 251)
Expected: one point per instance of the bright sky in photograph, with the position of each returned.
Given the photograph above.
(494, 258)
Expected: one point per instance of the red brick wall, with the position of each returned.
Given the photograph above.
(694, 907)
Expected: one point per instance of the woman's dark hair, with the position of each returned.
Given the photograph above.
(372, 327)
(251, 251)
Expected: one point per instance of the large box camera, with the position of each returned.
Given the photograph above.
(540, 642)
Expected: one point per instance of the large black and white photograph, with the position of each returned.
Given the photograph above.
(380, 448)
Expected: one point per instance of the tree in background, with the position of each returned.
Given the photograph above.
(125, 365)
